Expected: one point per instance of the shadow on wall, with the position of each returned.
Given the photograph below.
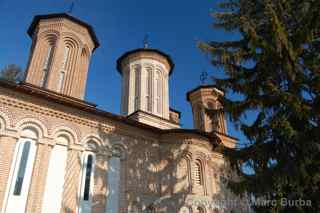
(148, 174)
(150, 177)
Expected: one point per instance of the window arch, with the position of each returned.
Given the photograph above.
(149, 89)
(200, 116)
(198, 173)
(84, 62)
(51, 43)
(137, 74)
(183, 181)
(87, 182)
(20, 179)
(64, 68)
(158, 84)
(22, 168)
(71, 47)
(210, 105)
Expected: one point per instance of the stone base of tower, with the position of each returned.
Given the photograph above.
(153, 120)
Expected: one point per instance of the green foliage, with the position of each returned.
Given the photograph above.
(275, 67)
(12, 73)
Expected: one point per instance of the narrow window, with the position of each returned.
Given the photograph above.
(48, 58)
(47, 65)
(87, 183)
(198, 173)
(149, 90)
(86, 192)
(63, 69)
(210, 119)
(61, 81)
(200, 117)
(137, 88)
(158, 93)
(65, 57)
(19, 182)
(22, 169)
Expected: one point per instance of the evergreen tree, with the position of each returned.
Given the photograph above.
(274, 68)
(12, 73)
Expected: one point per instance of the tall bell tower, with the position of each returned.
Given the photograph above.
(60, 54)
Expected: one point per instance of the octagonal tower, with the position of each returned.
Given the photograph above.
(60, 53)
(145, 86)
(202, 98)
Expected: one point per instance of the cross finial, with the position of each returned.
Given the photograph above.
(70, 10)
(146, 41)
(203, 77)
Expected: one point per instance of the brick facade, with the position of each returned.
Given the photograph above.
(163, 169)
(149, 166)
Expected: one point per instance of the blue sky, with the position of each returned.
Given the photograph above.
(173, 27)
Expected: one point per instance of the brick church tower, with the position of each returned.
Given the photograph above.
(60, 53)
(202, 98)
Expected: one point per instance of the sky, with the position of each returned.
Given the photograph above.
(173, 27)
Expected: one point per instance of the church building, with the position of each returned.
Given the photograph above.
(60, 153)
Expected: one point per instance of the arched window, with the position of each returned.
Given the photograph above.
(87, 182)
(158, 83)
(63, 69)
(210, 105)
(65, 57)
(84, 62)
(22, 167)
(200, 116)
(182, 176)
(61, 81)
(149, 89)
(88, 178)
(198, 175)
(137, 73)
(48, 60)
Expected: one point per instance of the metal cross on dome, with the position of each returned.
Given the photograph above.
(203, 77)
(146, 41)
(70, 10)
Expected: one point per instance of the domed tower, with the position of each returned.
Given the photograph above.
(60, 53)
(202, 98)
(145, 87)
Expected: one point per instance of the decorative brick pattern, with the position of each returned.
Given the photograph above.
(100, 185)
(39, 176)
(50, 40)
(7, 147)
(71, 183)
